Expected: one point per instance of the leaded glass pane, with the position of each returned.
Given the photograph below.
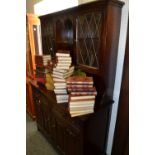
(88, 38)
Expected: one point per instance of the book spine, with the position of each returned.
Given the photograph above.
(83, 93)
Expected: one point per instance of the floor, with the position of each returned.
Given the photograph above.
(36, 144)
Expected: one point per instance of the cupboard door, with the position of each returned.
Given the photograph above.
(45, 114)
(47, 29)
(52, 127)
(38, 108)
(60, 133)
(72, 143)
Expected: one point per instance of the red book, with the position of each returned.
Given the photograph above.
(79, 80)
(90, 89)
(83, 93)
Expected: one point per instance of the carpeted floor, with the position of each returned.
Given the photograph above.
(36, 144)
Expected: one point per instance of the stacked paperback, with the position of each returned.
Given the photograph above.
(81, 95)
(61, 71)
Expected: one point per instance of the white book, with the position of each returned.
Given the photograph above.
(58, 73)
(82, 103)
(60, 87)
(60, 92)
(64, 61)
(60, 58)
(62, 96)
(58, 76)
(82, 111)
(72, 98)
(60, 70)
(58, 80)
(82, 106)
(62, 101)
(60, 84)
(64, 70)
(62, 54)
(62, 74)
(80, 114)
(61, 65)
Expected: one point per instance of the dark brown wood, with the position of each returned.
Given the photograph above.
(87, 134)
(121, 136)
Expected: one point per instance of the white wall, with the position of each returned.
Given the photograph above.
(119, 69)
(30, 5)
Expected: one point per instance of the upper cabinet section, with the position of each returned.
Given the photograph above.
(91, 33)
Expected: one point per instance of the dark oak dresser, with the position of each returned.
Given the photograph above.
(91, 33)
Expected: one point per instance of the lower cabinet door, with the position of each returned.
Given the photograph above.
(38, 108)
(46, 115)
(60, 134)
(52, 127)
(72, 143)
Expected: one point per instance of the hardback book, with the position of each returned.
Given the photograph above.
(62, 76)
(61, 65)
(59, 84)
(39, 58)
(90, 89)
(58, 73)
(62, 58)
(79, 80)
(83, 93)
(81, 107)
(62, 101)
(60, 91)
(82, 111)
(62, 97)
(58, 80)
(80, 114)
(81, 97)
(64, 70)
(64, 61)
(79, 103)
(60, 87)
(81, 86)
(62, 54)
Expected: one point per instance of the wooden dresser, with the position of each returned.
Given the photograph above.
(91, 32)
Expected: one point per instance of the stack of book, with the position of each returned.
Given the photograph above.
(42, 60)
(81, 95)
(43, 67)
(61, 71)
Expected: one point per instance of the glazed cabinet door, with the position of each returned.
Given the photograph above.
(88, 30)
